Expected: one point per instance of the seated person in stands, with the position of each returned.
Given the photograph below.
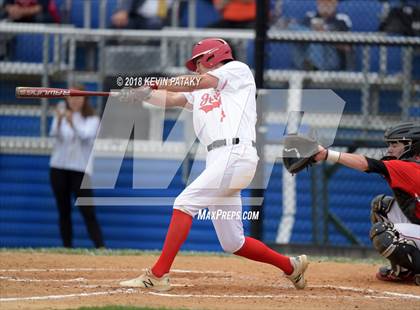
(25, 11)
(401, 19)
(322, 56)
(141, 14)
(31, 11)
(235, 13)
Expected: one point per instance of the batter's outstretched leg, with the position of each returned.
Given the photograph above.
(158, 277)
(231, 237)
(177, 234)
(293, 267)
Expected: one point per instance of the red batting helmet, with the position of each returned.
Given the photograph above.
(212, 50)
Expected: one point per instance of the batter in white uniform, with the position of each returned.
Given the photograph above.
(224, 112)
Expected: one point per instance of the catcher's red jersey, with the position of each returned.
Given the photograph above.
(405, 175)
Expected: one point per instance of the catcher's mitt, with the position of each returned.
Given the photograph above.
(298, 152)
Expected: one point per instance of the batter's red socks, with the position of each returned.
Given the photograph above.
(258, 251)
(177, 233)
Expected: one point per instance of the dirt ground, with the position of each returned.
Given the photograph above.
(62, 281)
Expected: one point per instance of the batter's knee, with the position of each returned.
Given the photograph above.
(400, 251)
(182, 204)
(232, 244)
(186, 209)
(380, 206)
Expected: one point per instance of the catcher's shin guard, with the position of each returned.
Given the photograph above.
(400, 251)
(395, 273)
(380, 206)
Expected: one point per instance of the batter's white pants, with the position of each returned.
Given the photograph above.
(403, 225)
(229, 169)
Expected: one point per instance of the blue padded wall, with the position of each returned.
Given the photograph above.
(20, 125)
(29, 48)
(28, 216)
(350, 193)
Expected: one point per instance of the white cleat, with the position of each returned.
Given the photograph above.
(149, 281)
(299, 263)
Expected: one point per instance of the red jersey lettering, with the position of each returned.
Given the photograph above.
(210, 102)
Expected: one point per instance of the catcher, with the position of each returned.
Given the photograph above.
(395, 231)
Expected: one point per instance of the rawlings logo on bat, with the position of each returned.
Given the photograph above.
(43, 92)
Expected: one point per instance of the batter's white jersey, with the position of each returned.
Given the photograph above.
(229, 111)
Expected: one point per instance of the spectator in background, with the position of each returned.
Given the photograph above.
(74, 128)
(31, 11)
(403, 19)
(235, 13)
(25, 11)
(141, 14)
(322, 56)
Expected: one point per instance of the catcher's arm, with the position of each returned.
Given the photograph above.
(355, 161)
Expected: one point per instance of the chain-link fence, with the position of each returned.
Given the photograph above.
(365, 55)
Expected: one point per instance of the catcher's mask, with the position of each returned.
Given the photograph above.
(212, 52)
(407, 133)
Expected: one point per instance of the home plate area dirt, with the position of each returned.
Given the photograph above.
(65, 281)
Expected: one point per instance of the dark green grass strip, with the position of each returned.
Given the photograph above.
(124, 252)
(125, 308)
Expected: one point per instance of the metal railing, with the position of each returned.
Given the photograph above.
(175, 47)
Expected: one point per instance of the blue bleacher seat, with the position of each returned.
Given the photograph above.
(389, 102)
(76, 14)
(206, 14)
(29, 48)
(110, 9)
(297, 9)
(363, 14)
(352, 99)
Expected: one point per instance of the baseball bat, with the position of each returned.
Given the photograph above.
(44, 92)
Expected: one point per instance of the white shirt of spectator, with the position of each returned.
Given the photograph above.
(73, 146)
(229, 111)
(149, 8)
